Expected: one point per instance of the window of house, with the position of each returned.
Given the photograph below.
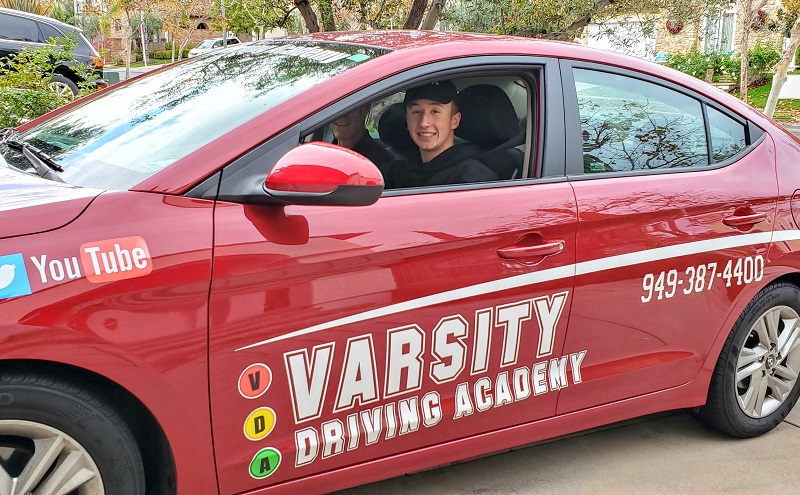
(630, 124)
(718, 29)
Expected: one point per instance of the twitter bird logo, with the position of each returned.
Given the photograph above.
(13, 276)
(6, 275)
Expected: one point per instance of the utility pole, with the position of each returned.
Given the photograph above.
(224, 25)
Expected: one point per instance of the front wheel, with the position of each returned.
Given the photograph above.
(57, 436)
(755, 382)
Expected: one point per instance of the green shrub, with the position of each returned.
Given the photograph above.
(24, 82)
(167, 54)
(761, 60)
(696, 63)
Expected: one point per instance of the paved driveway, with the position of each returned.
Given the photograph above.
(666, 454)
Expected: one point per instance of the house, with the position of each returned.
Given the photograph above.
(652, 35)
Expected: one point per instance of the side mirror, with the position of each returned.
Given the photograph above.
(324, 174)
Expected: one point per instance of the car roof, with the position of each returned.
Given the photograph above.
(41, 18)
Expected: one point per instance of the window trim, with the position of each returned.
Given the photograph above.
(574, 148)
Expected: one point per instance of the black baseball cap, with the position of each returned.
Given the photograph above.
(440, 92)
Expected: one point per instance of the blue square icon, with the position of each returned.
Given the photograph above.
(13, 276)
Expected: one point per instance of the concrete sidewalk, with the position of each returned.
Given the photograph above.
(667, 454)
(117, 74)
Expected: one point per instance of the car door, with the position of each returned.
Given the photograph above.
(668, 237)
(344, 334)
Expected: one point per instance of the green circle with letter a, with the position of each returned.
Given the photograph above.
(265, 462)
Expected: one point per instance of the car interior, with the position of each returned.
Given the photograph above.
(494, 115)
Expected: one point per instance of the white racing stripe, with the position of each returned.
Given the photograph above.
(550, 274)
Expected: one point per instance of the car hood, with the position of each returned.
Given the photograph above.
(29, 204)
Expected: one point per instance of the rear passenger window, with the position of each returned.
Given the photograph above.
(629, 124)
(727, 135)
(18, 29)
(49, 32)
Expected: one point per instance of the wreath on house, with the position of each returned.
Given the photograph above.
(674, 27)
(759, 19)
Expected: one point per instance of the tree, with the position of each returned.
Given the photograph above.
(181, 18)
(433, 15)
(748, 10)
(415, 14)
(41, 7)
(792, 9)
(309, 17)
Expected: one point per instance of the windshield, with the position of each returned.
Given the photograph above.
(119, 139)
(206, 44)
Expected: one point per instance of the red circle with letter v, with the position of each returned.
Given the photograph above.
(116, 259)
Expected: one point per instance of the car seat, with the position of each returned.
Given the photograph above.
(489, 120)
(394, 132)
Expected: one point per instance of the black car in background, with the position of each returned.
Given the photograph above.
(20, 29)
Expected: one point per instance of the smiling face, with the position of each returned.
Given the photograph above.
(432, 125)
(349, 127)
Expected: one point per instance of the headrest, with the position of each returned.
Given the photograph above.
(487, 116)
(393, 130)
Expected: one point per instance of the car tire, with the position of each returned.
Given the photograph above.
(755, 382)
(63, 86)
(57, 433)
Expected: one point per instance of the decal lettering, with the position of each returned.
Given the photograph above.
(510, 317)
(264, 463)
(57, 269)
(548, 312)
(255, 380)
(442, 356)
(449, 349)
(308, 380)
(260, 423)
(111, 260)
(483, 341)
(404, 356)
(359, 381)
(701, 278)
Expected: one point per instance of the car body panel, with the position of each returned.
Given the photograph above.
(314, 291)
(142, 330)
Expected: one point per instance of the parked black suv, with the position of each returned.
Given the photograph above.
(19, 29)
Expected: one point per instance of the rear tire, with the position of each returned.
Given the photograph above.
(64, 87)
(755, 382)
(56, 433)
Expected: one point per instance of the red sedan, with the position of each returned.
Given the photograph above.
(301, 265)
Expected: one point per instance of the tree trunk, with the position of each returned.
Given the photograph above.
(326, 14)
(434, 12)
(782, 68)
(416, 14)
(746, 15)
(309, 17)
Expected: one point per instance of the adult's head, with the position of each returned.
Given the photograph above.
(432, 117)
(349, 128)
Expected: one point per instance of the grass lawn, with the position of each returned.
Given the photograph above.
(786, 110)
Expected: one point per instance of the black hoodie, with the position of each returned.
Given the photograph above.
(458, 164)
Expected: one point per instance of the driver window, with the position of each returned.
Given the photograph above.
(460, 131)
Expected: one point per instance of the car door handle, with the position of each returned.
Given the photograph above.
(740, 220)
(516, 252)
